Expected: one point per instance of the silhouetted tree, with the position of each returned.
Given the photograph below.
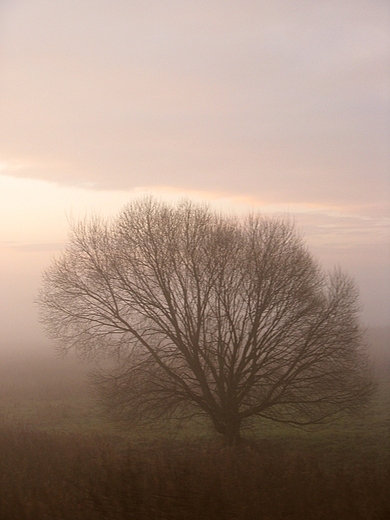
(203, 313)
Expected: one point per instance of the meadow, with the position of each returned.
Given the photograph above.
(61, 459)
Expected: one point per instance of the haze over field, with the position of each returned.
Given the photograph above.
(275, 106)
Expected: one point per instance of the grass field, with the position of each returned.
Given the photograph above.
(60, 458)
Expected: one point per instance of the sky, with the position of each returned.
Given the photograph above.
(273, 106)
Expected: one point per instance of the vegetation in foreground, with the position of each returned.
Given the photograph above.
(59, 459)
(74, 477)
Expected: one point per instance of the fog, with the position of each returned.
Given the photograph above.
(262, 106)
(270, 106)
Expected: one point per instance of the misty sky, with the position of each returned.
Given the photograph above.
(271, 105)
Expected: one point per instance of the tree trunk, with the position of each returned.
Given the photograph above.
(232, 434)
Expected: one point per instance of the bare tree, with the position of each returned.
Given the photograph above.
(227, 317)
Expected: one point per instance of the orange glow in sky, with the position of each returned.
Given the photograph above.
(276, 106)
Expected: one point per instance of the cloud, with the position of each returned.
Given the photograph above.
(289, 102)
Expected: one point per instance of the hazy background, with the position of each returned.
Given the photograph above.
(272, 105)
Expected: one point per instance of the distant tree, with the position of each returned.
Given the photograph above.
(207, 314)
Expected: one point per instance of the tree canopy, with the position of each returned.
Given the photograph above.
(208, 314)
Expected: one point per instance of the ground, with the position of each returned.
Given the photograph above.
(60, 458)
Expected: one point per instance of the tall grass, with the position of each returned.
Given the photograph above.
(75, 477)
